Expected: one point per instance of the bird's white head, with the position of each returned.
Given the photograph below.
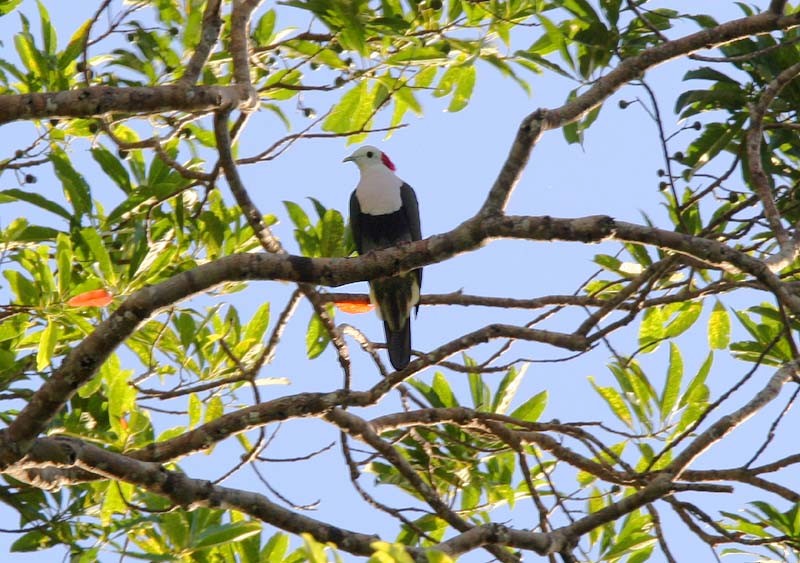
(368, 156)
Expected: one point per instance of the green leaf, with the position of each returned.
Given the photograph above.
(64, 261)
(75, 45)
(688, 312)
(610, 263)
(352, 111)
(463, 89)
(49, 37)
(195, 410)
(160, 255)
(332, 234)
(318, 207)
(308, 241)
(226, 533)
(719, 327)
(651, 331)
(26, 291)
(672, 385)
(470, 497)
(416, 54)
(611, 10)
(443, 391)
(615, 401)
(35, 233)
(8, 6)
(708, 73)
(479, 391)
(35, 540)
(532, 409)
(507, 70)
(262, 32)
(28, 53)
(275, 548)
(121, 395)
(297, 215)
(100, 254)
(405, 95)
(214, 409)
(750, 326)
(317, 337)
(556, 40)
(43, 272)
(424, 78)
(722, 95)
(695, 389)
(639, 253)
(75, 186)
(637, 391)
(507, 389)
(175, 528)
(448, 80)
(258, 324)
(434, 555)
(715, 138)
(47, 345)
(38, 200)
(113, 167)
(582, 9)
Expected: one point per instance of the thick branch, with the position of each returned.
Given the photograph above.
(240, 21)
(83, 361)
(100, 100)
(187, 492)
(777, 6)
(629, 69)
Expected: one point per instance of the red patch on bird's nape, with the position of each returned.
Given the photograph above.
(388, 162)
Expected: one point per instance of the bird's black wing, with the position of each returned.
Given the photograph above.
(355, 222)
(411, 207)
(409, 200)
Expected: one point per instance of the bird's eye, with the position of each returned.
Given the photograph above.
(369, 154)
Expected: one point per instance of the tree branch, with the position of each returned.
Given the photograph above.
(239, 47)
(787, 249)
(212, 23)
(100, 100)
(187, 492)
(629, 69)
(83, 361)
(727, 423)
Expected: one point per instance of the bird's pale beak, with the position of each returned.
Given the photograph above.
(350, 158)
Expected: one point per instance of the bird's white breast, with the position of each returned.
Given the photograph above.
(378, 191)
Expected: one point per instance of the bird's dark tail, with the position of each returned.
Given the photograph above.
(398, 343)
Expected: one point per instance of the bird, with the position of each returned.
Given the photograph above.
(383, 213)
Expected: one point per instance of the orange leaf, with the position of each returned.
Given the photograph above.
(93, 298)
(354, 307)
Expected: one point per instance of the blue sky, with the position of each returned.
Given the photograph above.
(451, 160)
